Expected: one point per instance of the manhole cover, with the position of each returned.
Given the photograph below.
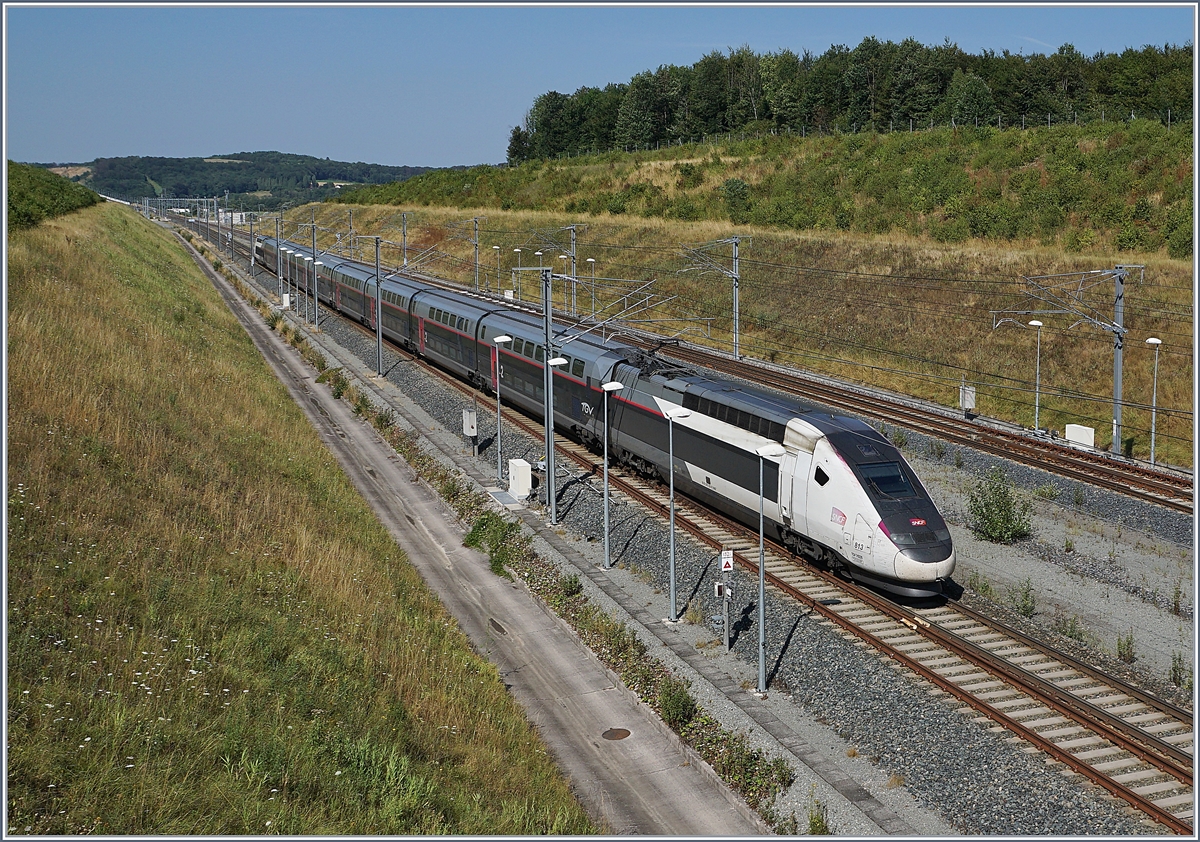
(497, 627)
(615, 734)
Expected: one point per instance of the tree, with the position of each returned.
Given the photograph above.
(970, 99)
(518, 146)
(783, 87)
(635, 118)
(913, 93)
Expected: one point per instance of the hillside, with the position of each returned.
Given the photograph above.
(254, 180)
(35, 194)
(1102, 187)
(209, 631)
(905, 313)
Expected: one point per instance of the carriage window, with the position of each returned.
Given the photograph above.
(820, 476)
(537, 354)
(528, 349)
(577, 368)
(462, 323)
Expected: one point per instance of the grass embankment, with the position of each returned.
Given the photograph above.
(1105, 186)
(35, 194)
(903, 313)
(208, 631)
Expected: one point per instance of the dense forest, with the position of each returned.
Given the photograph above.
(258, 180)
(35, 194)
(879, 86)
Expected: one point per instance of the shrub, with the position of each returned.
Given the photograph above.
(675, 704)
(1181, 673)
(1125, 648)
(996, 515)
(1023, 599)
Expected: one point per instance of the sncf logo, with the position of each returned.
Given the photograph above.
(838, 516)
(916, 521)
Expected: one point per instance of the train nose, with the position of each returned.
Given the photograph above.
(923, 549)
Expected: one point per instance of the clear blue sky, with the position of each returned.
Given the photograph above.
(430, 85)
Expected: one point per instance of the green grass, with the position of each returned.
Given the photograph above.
(35, 194)
(1123, 184)
(209, 632)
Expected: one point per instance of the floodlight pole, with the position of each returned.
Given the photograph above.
(548, 388)
(773, 450)
(316, 277)
(672, 414)
(611, 386)
(278, 260)
(378, 313)
(499, 340)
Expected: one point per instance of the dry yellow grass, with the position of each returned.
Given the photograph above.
(895, 311)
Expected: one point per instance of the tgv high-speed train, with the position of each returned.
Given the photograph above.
(841, 493)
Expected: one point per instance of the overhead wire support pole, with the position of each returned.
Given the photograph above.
(704, 263)
(1065, 296)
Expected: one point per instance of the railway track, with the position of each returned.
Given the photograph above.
(1138, 748)
(1167, 489)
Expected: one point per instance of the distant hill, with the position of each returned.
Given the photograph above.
(258, 180)
(1109, 186)
(34, 195)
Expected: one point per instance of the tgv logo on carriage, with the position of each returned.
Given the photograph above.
(841, 494)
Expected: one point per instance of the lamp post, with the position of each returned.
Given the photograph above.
(499, 340)
(288, 263)
(550, 495)
(278, 261)
(611, 386)
(378, 313)
(1157, 343)
(672, 416)
(1037, 381)
(497, 250)
(592, 261)
(774, 451)
(517, 252)
(307, 260)
(317, 295)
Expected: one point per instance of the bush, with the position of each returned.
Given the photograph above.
(676, 705)
(996, 515)
(1023, 599)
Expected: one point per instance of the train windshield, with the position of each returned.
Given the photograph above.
(886, 479)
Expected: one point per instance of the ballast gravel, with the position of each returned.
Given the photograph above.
(1128, 567)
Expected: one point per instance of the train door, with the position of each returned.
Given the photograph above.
(373, 314)
(787, 470)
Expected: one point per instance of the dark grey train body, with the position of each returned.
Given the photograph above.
(840, 493)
